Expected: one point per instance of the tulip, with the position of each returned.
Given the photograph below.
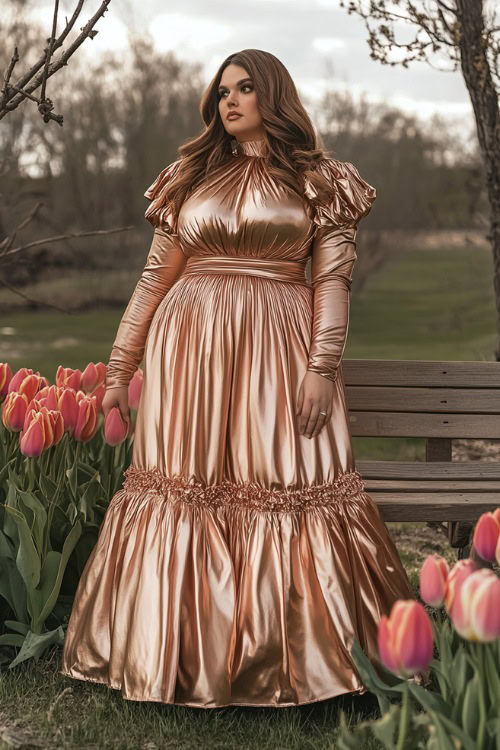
(86, 423)
(68, 407)
(433, 576)
(476, 617)
(406, 638)
(457, 575)
(32, 441)
(18, 378)
(497, 554)
(134, 389)
(99, 393)
(486, 536)
(115, 428)
(93, 376)
(5, 378)
(14, 411)
(67, 376)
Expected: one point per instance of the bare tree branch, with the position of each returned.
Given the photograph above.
(58, 238)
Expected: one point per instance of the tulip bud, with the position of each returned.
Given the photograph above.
(115, 429)
(406, 638)
(433, 575)
(32, 440)
(134, 389)
(93, 376)
(67, 376)
(486, 536)
(86, 423)
(485, 606)
(5, 378)
(457, 575)
(471, 595)
(14, 411)
(68, 407)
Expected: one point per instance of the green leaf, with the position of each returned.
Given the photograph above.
(470, 710)
(444, 740)
(27, 560)
(370, 677)
(433, 702)
(19, 627)
(492, 667)
(34, 645)
(385, 728)
(39, 518)
(12, 589)
(6, 546)
(11, 639)
(52, 583)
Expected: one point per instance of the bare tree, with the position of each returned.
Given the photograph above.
(465, 33)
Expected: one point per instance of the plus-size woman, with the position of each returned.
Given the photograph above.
(242, 555)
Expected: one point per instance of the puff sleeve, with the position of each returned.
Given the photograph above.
(333, 259)
(164, 265)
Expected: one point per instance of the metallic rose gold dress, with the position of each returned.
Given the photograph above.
(240, 558)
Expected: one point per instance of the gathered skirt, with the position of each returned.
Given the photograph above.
(240, 558)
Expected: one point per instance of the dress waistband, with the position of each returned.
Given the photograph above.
(293, 271)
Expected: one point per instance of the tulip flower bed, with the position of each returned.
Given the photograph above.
(60, 463)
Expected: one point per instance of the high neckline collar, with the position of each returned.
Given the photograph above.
(255, 147)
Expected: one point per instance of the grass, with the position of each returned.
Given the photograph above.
(432, 305)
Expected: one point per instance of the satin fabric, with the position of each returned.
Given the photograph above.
(240, 558)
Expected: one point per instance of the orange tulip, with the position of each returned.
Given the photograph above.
(476, 616)
(32, 440)
(69, 377)
(406, 638)
(86, 423)
(14, 411)
(134, 389)
(115, 428)
(93, 376)
(486, 536)
(433, 575)
(5, 378)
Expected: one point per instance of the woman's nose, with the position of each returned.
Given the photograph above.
(232, 98)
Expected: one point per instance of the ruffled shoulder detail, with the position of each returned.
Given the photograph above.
(159, 213)
(351, 197)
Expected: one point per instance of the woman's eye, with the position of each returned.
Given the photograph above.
(246, 86)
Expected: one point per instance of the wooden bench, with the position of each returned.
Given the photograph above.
(438, 401)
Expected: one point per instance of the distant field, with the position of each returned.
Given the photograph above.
(432, 305)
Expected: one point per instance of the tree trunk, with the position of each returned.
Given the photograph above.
(484, 98)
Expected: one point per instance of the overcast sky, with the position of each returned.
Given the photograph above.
(320, 44)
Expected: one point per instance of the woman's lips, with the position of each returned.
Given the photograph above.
(233, 116)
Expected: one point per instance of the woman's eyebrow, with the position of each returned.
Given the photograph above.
(237, 82)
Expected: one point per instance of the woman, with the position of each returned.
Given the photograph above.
(242, 555)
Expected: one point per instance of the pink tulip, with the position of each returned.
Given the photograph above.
(32, 441)
(457, 575)
(18, 378)
(93, 376)
(472, 594)
(14, 411)
(67, 376)
(99, 393)
(5, 378)
(134, 389)
(86, 423)
(406, 639)
(115, 428)
(433, 575)
(57, 420)
(485, 617)
(68, 407)
(486, 536)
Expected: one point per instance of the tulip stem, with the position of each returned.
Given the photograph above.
(482, 696)
(404, 719)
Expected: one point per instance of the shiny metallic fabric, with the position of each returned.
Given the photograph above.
(240, 558)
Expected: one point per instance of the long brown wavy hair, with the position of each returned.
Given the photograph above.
(293, 148)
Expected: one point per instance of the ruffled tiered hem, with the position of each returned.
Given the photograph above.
(233, 594)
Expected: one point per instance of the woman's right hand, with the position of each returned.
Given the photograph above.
(117, 397)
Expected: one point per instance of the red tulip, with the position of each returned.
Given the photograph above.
(67, 376)
(406, 638)
(86, 423)
(93, 376)
(115, 428)
(433, 575)
(486, 535)
(497, 554)
(134, 389)
(32, 441)
(99, 395)
(18, 378)
(477, 593)
(5, 378)
(14, 411)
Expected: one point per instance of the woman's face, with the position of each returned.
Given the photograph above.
(237, 94)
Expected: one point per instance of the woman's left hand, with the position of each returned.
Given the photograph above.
(315, 396)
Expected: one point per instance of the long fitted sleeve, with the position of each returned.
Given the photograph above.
(165, 264)
(333, 259)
